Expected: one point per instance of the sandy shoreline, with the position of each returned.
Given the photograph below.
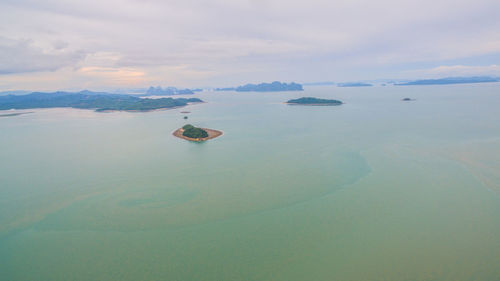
(211, 134)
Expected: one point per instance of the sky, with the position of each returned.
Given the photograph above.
(121, 44)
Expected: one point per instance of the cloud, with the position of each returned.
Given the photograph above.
(224, 42)
(113, 74)
(19, 56)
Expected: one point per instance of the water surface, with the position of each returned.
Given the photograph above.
(375, 189)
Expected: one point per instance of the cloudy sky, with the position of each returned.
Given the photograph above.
(105, 44)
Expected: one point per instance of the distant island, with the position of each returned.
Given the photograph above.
(450, 80)
(354, 84)
(325, 83)
(407, 99)
(270, 87)
(98, 101)
(192, 133)
(169, 91)
(275, 86)
(313, 101)
(225, 89)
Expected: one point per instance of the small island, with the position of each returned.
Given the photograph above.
(407, 99)
(192, 133)
(313, 101)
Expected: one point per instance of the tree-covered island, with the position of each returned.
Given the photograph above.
(99, 101)
(313, 101)
(192, 133)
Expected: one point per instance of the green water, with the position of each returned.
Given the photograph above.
(376, 189)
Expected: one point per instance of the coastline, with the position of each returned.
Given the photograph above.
(14, 114)
(212, 134)
(148, 110)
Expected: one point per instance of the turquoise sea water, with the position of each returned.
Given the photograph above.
(375, 189)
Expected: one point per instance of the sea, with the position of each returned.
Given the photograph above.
(375, 189)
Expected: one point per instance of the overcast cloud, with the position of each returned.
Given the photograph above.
(102, 44)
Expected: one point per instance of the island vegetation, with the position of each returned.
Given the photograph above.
(98, 101)
(275, 86)
(313, 101)
(192, 133)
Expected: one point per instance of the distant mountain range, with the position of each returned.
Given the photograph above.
(14, 92)
(100, 101)
(169, 91)
(325, 83)
(354, 84)
(225, 89)
(450, 80)
(275, 86)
